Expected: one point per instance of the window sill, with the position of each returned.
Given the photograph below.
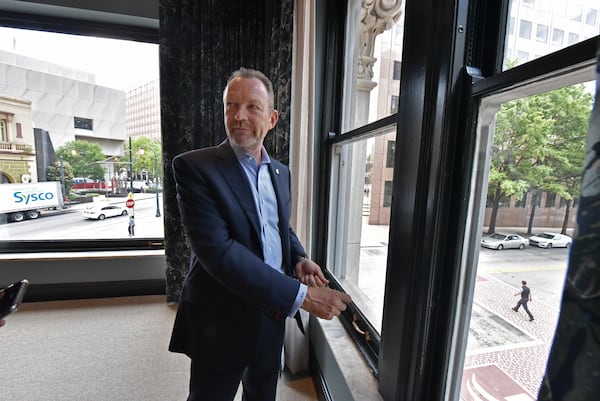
(81, 255)
(345, 372)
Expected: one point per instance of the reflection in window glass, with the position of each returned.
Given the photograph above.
(563, 22)
(84, 130)
(361, 201)
(536, 162)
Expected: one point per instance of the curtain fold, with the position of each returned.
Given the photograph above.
(201, 43)
(573, 369)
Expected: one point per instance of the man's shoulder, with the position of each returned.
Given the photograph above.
(203, 153)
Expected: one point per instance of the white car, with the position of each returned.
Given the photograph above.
(501, 241)
(551, 240)
(102, 211)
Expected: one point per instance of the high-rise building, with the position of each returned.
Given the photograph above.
(143, 111)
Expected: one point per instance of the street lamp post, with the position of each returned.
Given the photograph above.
(130, 167)
(62, 177)
(155, 179)
(156, 183)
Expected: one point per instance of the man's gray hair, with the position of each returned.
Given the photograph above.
(251, 73)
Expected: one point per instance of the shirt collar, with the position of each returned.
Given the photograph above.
(242, 155)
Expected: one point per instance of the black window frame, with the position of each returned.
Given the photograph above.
(425, 238)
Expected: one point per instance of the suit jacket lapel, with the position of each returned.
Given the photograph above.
(238, 183)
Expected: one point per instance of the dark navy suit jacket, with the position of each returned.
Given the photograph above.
(228, 286)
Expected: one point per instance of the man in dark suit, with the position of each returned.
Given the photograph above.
(525, 294)
(249, 271)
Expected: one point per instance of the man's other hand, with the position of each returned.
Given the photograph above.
(310, 273)
(325, 302)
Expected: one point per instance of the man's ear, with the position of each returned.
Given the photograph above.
(274, 118)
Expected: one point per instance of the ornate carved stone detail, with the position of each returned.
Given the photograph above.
(377, 16)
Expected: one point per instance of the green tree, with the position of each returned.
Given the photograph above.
(84, 158)
(539, 147)
(144, 151)
(567, 112)
(507, 176)
(53, 173)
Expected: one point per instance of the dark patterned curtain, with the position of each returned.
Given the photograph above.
(573, 370)
(201, 44)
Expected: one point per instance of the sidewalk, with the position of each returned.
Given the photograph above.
(513, 369)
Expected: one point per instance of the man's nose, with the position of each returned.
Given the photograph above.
(241, 114)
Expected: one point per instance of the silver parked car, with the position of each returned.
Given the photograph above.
(551, 240)
(501, 241)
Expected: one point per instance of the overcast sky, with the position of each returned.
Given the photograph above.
(116, 63)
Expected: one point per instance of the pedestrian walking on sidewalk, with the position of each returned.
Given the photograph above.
(525, 294)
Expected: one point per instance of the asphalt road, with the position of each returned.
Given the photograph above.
(543, 269)
(70, 223)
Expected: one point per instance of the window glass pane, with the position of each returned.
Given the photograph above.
(541, 34)
(361, 200)
(374, 66)
(536, 162)
(566, 22)
(362, 167)
(591, 16)
(557, 37)
(525, 29)
(79, 103)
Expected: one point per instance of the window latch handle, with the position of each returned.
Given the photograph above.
(364, 333)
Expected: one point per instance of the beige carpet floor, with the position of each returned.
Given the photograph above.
(112, 349)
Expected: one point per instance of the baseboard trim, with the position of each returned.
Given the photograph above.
(102, 289)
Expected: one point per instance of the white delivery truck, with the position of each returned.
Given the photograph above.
(25, 201)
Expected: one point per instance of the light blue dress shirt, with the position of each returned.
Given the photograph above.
(265, 202)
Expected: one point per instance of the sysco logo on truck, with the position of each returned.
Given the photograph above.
(26, 198)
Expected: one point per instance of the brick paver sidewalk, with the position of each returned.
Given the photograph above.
(517, 365)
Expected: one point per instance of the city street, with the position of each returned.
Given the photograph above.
(70, 223)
